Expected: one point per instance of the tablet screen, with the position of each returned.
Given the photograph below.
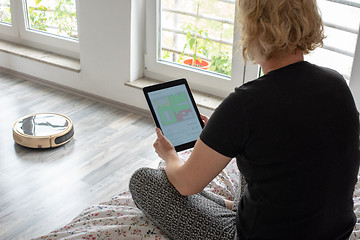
(175, 113)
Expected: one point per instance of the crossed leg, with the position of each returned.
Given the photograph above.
(200, 216)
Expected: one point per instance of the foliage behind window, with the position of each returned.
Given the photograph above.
(53, 16)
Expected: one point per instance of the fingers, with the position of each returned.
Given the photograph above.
(204, 118)
(159, 138)
(159, 133)
(161, 145)
(155, 143)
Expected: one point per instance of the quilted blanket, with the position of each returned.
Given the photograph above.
(119, 218)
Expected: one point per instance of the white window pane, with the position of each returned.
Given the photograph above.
(341, 19)
(337, 61)
(56, 17)
(5, 12)
(198, 31)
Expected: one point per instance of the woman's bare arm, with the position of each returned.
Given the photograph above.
(203, 165)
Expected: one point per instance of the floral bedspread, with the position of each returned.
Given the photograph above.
(119, 218)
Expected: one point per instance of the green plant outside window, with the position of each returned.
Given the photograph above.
(53, 16)
(201, 30)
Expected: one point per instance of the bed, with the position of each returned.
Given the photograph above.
(119, 218)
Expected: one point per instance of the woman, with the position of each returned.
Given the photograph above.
(294, 133)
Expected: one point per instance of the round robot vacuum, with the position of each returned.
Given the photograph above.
(43, 130)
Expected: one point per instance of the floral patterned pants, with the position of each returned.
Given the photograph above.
(200, 216)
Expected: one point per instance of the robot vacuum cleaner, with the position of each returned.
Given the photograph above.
(43, 130)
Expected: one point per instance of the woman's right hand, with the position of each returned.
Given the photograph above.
(163, 147)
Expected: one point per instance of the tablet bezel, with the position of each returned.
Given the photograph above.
(169, 84)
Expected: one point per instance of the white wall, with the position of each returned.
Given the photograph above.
(137, 40)
(111, 52)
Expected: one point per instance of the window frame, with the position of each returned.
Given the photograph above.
(354, 83)
(205, 81)
(17, 32)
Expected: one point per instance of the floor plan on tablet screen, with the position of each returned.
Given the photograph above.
(174, 108)
(176, 114)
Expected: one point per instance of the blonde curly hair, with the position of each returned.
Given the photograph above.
(275, 27)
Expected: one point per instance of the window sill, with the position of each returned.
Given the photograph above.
(53, 59)
(203, 100)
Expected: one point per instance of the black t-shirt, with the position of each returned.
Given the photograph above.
(295, 134)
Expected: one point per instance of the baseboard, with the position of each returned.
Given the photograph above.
(78, 92)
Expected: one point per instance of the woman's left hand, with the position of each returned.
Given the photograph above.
(163, 147)
(204, 118)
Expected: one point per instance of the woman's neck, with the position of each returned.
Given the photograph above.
(281, 61)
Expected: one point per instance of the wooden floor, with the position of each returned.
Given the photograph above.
(41, 190)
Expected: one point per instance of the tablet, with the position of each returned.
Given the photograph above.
(174, 111)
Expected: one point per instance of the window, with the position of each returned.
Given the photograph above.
(5, 13)
(53, 17)
(183, 32)
(46, 24)
(195, 34)
(173, 25)
(341, 20)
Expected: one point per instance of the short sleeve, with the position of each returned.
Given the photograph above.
(227, 129)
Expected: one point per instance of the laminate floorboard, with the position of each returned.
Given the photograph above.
(44, 189)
